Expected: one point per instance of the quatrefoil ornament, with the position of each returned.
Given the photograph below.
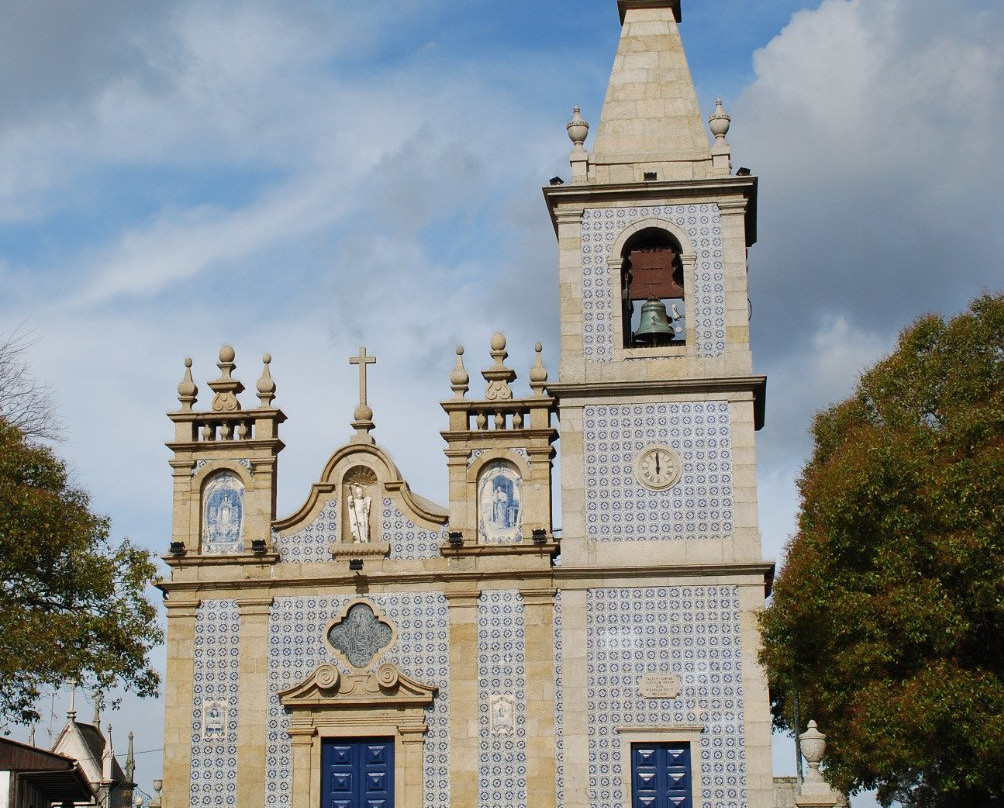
(360, 634)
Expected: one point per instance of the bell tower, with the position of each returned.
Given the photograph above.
(658, 406)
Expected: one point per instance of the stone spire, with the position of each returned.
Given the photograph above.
(651, 122)
(107, 758)
(130, 764)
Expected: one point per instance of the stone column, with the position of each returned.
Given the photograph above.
(538, 628)
(252, 730)
(463, 606)
(178, 695)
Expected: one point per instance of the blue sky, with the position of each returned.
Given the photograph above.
(306, 177)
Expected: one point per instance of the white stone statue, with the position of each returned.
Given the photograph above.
(359, 514)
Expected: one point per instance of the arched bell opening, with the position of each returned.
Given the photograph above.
(652, 290)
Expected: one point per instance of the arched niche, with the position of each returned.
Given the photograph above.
(652, 289)
(500, 503)
(222, 518)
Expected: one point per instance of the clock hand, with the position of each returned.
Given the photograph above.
(657, 463)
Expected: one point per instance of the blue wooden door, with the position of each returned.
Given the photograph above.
(660, 775)
(357, 773)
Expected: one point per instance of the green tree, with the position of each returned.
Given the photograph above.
(72, 606)
(888, 616)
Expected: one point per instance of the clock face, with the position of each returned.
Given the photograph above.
(658, 467)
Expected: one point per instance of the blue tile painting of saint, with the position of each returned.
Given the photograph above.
(500, 504)
(223, 514)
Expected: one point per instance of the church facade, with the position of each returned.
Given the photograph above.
(376, 649)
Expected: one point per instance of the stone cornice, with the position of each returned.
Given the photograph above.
(189, 592)
(757, 385)
(666, 192)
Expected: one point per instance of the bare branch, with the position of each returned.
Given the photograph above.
(25, 402)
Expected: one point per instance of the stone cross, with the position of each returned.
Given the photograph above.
(362, 360)
(363, 415)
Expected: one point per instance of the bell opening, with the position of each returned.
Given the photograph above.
(652, 289)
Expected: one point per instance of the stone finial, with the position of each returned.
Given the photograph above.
(458, 376)
(187, 391)
(721, 151)
(130, 764)
(226, 387)
(107, 757)
(498, 375)
(538, 373)
(578, 129)
(31, 736)
(812, 743)
(719, 122)
(266, 387)
(158, 784)
(71, 713)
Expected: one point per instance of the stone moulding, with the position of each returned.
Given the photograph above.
(329, 704)
(385, 688)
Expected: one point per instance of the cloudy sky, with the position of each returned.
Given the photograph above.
(309, 176)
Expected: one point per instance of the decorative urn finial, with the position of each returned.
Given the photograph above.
(578, 129)
(719, 122)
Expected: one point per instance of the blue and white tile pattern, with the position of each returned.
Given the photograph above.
(296, 646)
(408, 540)
(502, 677)
(602, 226)
(692, 631)
(216, 680)
(312, 543)
(619, 508)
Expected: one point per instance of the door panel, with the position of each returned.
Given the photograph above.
(357, 773)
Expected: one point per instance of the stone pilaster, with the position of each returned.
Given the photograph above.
(463, 606)
(252, 732)
(538, 629)
(178, 679)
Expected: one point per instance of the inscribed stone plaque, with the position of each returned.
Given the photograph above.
(660, 685)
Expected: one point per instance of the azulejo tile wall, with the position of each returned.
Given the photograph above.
(296, 646)
(619, 508)
(602, 226)
(501, 700)
(217, 656)
(692, 631)
(408, 540)
(313, 542)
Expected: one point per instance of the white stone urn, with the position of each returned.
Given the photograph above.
(812, 742)
(578, 128)
(719, 122)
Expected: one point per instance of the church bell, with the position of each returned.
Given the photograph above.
(654, 327)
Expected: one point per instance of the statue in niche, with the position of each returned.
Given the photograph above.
(359, 514)
(500, 504)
